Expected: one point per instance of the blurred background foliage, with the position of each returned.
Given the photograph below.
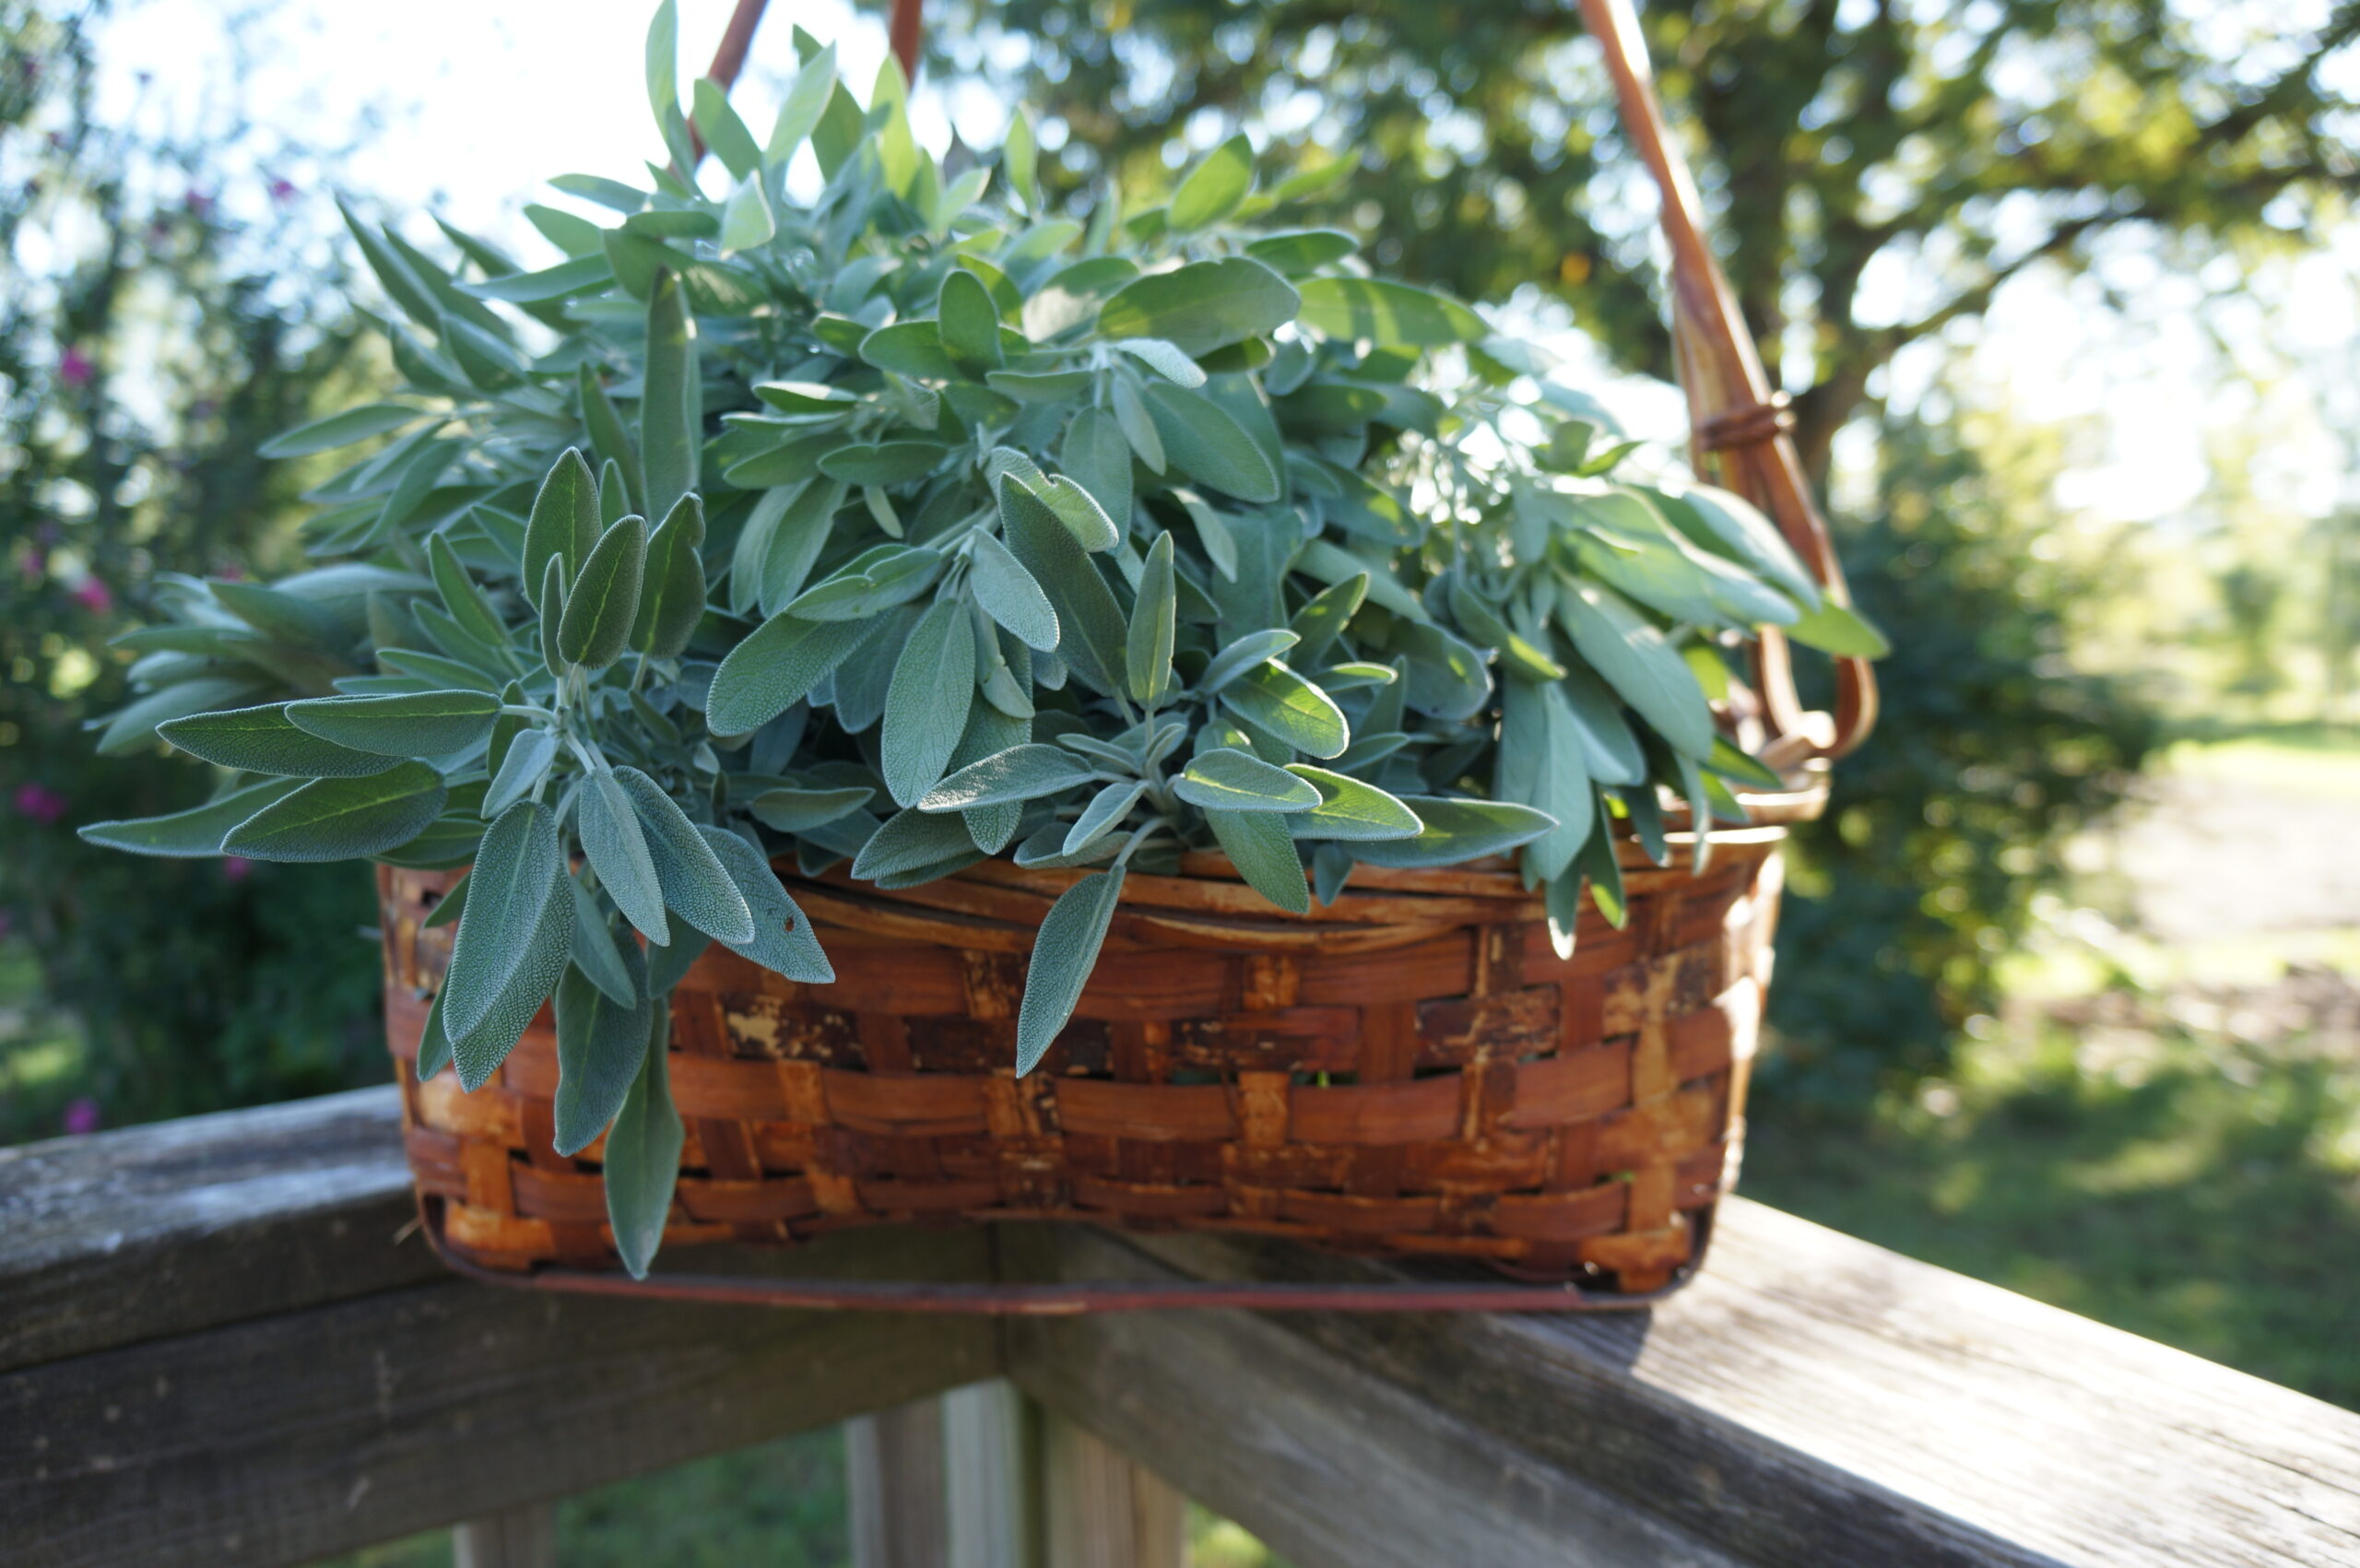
(149, 339)
(2069, 989)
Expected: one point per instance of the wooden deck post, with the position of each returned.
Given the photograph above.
(521, 1538)
(1103, 1510)
(893, 1482)
(980, 1478)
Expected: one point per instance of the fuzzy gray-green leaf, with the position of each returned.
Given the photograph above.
(342, 818)
(672, 593)
(1009, 594)
(190, 834)
(695, 885)
(618, 852)
(925, 708)
(1260, 844)
(564, 521)
(264, 740)
(427, 723)
(604, 601)
(600, 1043)
(514, 939)
(642, 1153)
(1063, 955)
(1226, 779)
(783, 941)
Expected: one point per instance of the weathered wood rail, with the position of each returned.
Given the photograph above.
(221, 1342)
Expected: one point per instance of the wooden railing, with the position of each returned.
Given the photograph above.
(221, 1342)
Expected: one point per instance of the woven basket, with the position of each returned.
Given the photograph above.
(1411, 1071)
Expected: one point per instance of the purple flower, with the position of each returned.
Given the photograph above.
(42, 804)
(236, 868)
(282, 191)
(75, 368)
(94, 595)
(81, 1117)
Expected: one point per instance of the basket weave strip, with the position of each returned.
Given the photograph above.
(1413, 1070)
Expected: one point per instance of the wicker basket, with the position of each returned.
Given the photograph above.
(1412, 1071)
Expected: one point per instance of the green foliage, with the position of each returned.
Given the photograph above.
(1990, 752)
(1963, 143)
(132, 457)
(974, 512)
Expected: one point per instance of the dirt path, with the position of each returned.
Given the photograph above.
(2211, 858)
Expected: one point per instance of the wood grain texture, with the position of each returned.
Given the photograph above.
(287, 1438)
(161, 1229)
(1810, 1400)
(895, 1487)
(522, 1537)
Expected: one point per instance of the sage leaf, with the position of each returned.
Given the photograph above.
(1253, 649)
(564, 522)
(521, 771)
(596, 953)
(1104, 813)
(643, 1152)
(1138, 426)
(969, 322)
(1215, 188)
(1839, 629)
(799, 810)
(425, 724)
(1204, 441)
(1226, 779)
(514, 940)
(671, 413)
(610, 439)
(1063, 955)
(1636, 660)
(600, 1045)
(1456, 831)
(342, 818)
(1165, 360)
(911, 841)
(1609, 751)
(1202, 306)
(925, 707)
(1259, 845)
(264, 740)
(433, 1041)
(671, 598)
(1350, 808)
(1009, 595)
(462, 598)
(1391, 315)
(603, 604)
(340, 429)
(617, 850)
(1155, 618)
(552, 615)
(695, 886)
(782, 941)
(1275, 698)
(774, 668)
(1093, 630)
(798, 113)
(193, 834)
(1021, 772)
(1096, 456)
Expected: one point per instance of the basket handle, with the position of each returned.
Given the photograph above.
(1740, 425)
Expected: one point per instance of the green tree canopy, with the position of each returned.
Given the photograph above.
(1880, 170)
